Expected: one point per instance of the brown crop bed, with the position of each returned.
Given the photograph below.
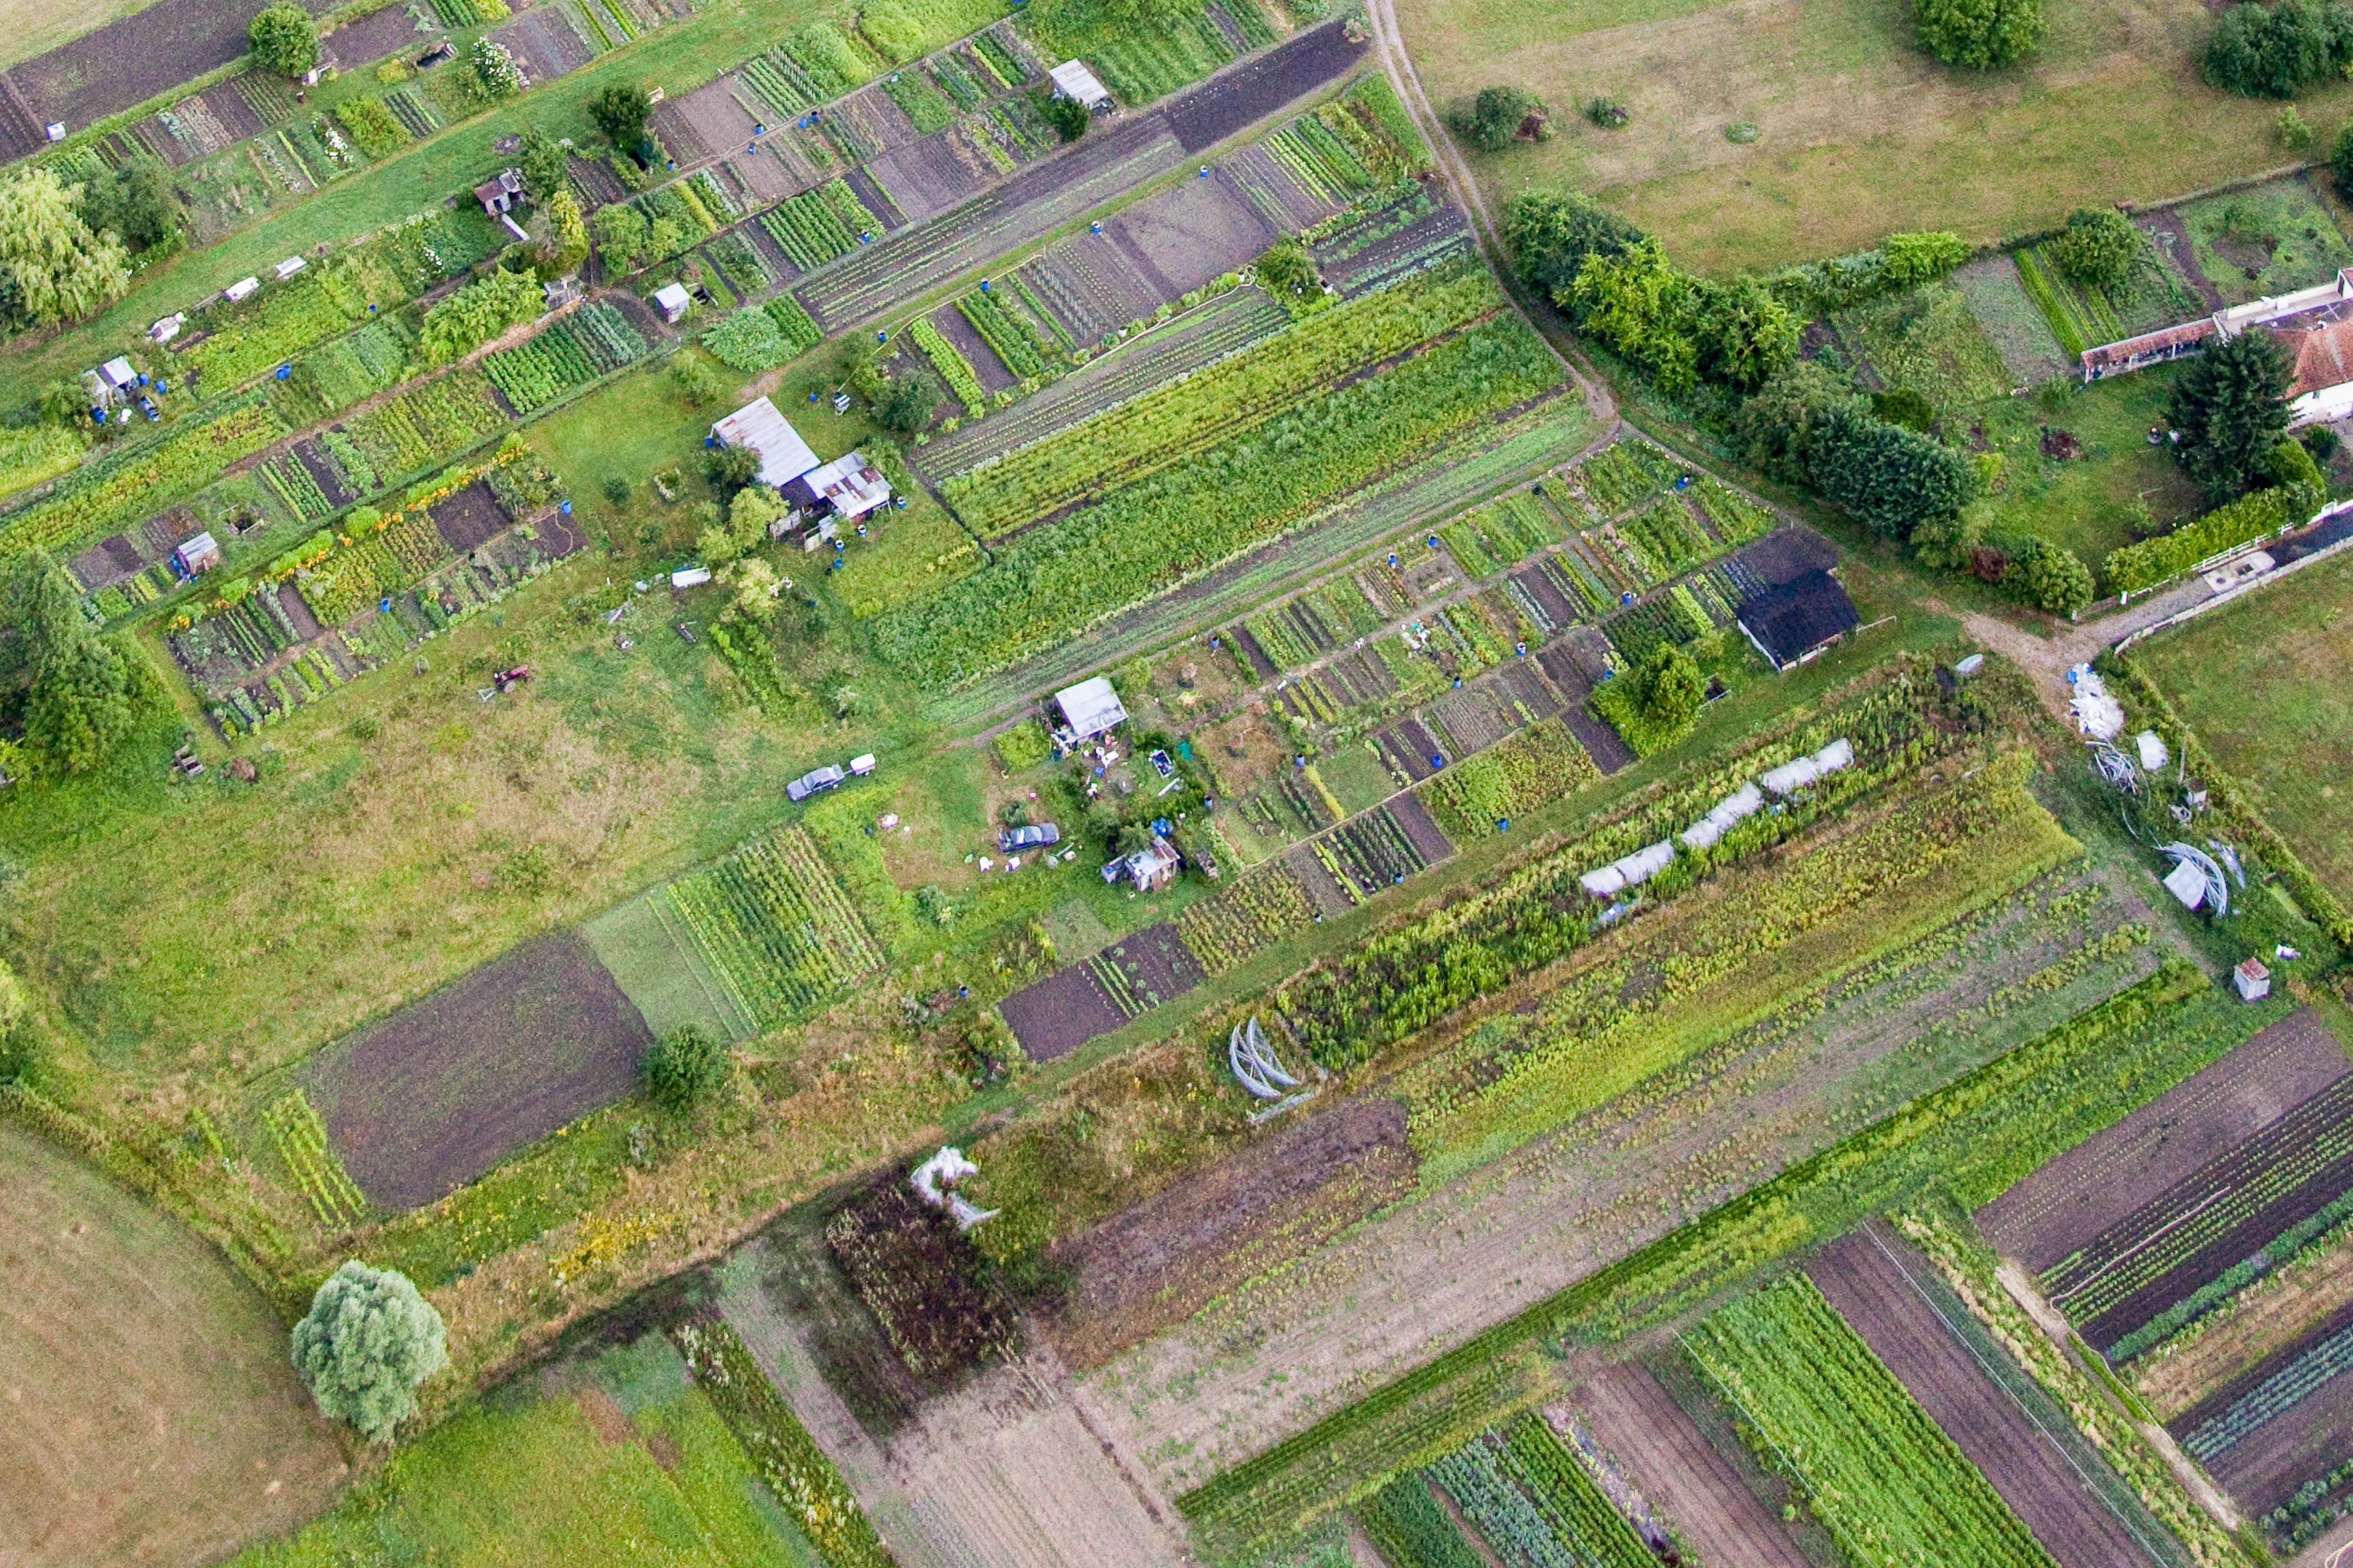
(465, 520)
(1250, 92)
(1158, 964)
(431, 1098)
(2101, 1181)
(1655, 1445)
(1190, 235)
(374, 35)
(1424, 834)
(2308, 1439)
(1873, 1280)
(129, 61)
(1164, 1259)
(1059, 1014)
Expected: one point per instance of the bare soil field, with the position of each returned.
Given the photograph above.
(152, 1414)
(443, 1089)
(1059, 1014)
(2070, 1201)
(1431, 844)
(1191, 235)
(1872, 1281)
(1650, 1441)
(1164, 1259)
(465, 520)
(1233, 99)
(1269, 1358)
(544, 42)
(372, 37)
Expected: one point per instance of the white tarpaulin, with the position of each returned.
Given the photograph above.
(2187, 882)
(931, 1181)
(2097, 714)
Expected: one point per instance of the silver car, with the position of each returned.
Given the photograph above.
(811, 783)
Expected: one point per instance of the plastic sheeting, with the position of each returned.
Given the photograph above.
(1609, 881)
(931, 1181)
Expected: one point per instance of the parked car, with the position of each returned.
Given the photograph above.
(1036, 836)
(815, 783)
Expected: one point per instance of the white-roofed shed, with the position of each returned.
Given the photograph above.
(1075, 81)
(784, 456)
(1090, 708)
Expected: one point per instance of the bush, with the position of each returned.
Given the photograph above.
(1980, 35)
(373, 127)
(2097, 248)
(616, 490)
(2341, 160)
(1903, 405)
(1669, 687)
(133, 202)
(2050, 577)
(1888, 477)
(622, 112)
(1068, 116)
(496, 69)
(284, 40)
(683, 1069)
(2257, 53)
(623, 236)
(2230, 408)
(1498, 116)
(2250, 517)
(908, 403)
(1779, 426)
(2295, 132)
(476, 314)
(367, 1341)
(1288, 273)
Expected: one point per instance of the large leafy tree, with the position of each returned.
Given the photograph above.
(1779, 425)
(1551, 234)
(567, 245)
(1745, 332)
(2230, 410)
(2097, 248)
(622, 112)
(81, 693)
(1644, 309)
(284, 39)
(2277, 53)
(544, 168)
(1491, 121)
(133, 202)
(1669, 687)
(56, 266)
(1888, 477)
(367, 1341)
(1981, 35)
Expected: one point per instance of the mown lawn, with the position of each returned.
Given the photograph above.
(2263, 682)
(1863, 134)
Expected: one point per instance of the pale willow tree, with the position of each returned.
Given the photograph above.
(61, 269)
(367, 1341)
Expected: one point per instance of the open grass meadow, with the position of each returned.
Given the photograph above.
(619, 1461)
(2263, 682)
(152, 1414)
(1863, 134)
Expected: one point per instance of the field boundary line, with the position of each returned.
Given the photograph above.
(1870, 1230)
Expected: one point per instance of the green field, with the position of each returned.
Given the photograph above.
(2263, 682)
(1863, 134)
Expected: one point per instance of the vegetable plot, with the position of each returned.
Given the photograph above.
(774, 924)
(1815, 1401)
(143, 480)
(816, 226)
(1163, 426)
(571, 354)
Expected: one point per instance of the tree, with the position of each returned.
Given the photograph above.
(1745, 332)
(2097, 248)
(83, 693)
(546, 170)
(1498, 115)
(2259, 53)
(496, 69)
(621, 236)
(753, 508)
(2050, 577)
(284, 39)
(683, 1069)
(1980, 35)
(1920, 256)
(367, 1341)
(1288, 272)
(622, 112)
(1551, 234)
(908, 403)
(1669, 687)
(1888, 477)
(1645, 310)
(2340, 161)
(59, 270)
(567, 245)
(133, 202)
(1778, 425)
(730, 469)
(2230, 409)
(1068, 116)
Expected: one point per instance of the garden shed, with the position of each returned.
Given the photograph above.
(198, 552)
(500, 194)
(672, 300)
(848, 487)
(1089, 709)
(1151, 868)
(784, 456)
(1072, 80)
(1793, 622)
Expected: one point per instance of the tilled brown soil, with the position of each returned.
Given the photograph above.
(469, 517)
(1059, 1014)
(2264, 1468)
(427, 1100)
(1164, 1259)
(2069, 1201)
(1411, 815)
(1209, 113)
(1865, 1278)
(1692, 1489)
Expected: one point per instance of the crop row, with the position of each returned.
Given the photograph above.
(1411, 1530)
(1539, 765)
(1673, 536)
(1480, 1479)
(291, 483)
(1570, 1500)
(433, 420)
(1318, 162)
(388, 555)
(1235, 394)
(1737, 518)
(1400, 981)
(1873, 1466)
(302, 1140)
(1980, 1134)
(1150, 537)
(1262, 906)
(2301, 1243)
(2322, 1363)
(809, 227)
(774, 924)
(120, 490)
(1623, 473)
(2307, 1143)
(949, 361)
(1009, 337)
(343, 371)
(537, 373)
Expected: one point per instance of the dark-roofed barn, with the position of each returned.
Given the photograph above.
(1793, 621)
